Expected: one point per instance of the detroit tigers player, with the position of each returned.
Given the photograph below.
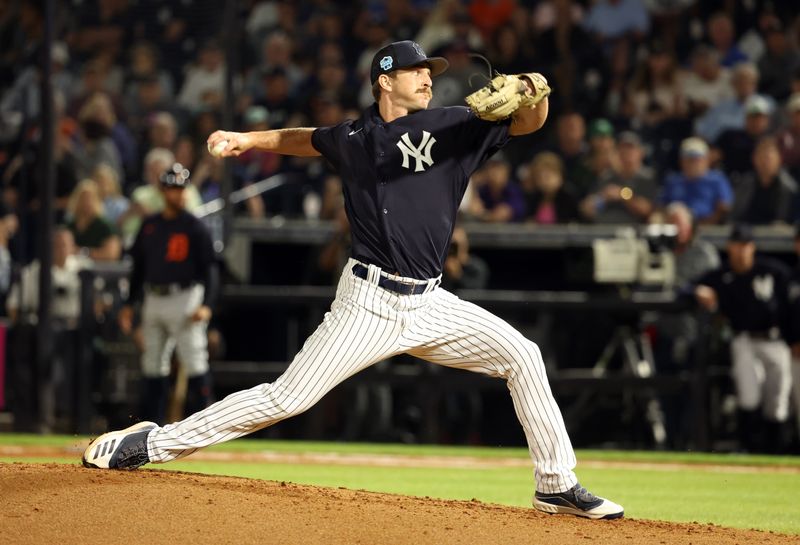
(175, 274)
(404, 169)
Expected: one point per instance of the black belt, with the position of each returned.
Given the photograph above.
(168, 289)
(402, 288)
(772, 334)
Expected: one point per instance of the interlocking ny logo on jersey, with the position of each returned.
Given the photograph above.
(421, 153)
(763, 287)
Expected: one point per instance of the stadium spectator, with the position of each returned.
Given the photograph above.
(178, 28)
(463, 270)
(489, 15)
(267, 17)
(330, 80)
(208, 177)
(22, 306)
(23, 32)
(162, 131)
(507, 51)
(722, 35)
(730, 112)
(96, 79)
(602, 159)
(573, 150)
(375, 34)
(255, 165)
(501, 198)
(448, 22)
(95, 144)
(204, 83)
(777, 63)
(707, 193)
(8, 228)
(144, 66)
(277, 51)
(625, 195)
(114, 203)
(655, 91)
(613, 20)
(23, 301)
(707, 83)
(767, 193)
(575, 65)
(789, 137)
(548, 199)
(22, 98)
(694, 256)
(93, 233)
(98, 26)
(148, 100)
(277, 99)
(677, 334)
(734, 147)
(455, 84)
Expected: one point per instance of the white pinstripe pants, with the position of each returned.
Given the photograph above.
(367, 324)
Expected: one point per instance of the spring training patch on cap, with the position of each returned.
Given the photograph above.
(386, 63)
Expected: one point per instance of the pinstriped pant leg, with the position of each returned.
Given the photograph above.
(459, 334)
(361, 328)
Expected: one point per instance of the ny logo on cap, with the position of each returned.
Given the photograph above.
(418, 49)
(386, 63)
(421, 153)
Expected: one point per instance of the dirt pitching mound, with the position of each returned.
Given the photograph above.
(52, 503)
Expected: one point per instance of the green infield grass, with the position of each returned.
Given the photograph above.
(729, 490)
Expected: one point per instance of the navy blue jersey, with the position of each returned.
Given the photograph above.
(403, 181)
(756, 301)
(173, 251)
(794, 307)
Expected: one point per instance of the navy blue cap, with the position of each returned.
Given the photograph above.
(176, 176)
(404, 54)
(741, 232)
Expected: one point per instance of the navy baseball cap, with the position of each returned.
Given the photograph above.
(741, 232)
(403, 54)
(176, 176)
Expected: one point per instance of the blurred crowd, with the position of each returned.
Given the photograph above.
(662, 110)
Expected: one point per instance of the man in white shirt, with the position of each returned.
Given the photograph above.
(54, 383)
(707, 83)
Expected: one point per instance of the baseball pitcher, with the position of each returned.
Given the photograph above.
(404, 170)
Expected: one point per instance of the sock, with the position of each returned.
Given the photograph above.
(198, 393)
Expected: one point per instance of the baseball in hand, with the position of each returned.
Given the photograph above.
(217, 150)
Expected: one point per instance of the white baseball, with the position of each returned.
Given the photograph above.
(217, 150)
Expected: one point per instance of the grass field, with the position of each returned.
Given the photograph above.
(729, 490)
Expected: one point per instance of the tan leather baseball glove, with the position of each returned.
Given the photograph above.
(505, 94)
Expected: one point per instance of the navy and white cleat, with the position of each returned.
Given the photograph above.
(124, 449)
(577, 501)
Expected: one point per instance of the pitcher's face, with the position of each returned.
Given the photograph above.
(411, 88)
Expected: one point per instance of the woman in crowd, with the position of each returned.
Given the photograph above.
(93, 233)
